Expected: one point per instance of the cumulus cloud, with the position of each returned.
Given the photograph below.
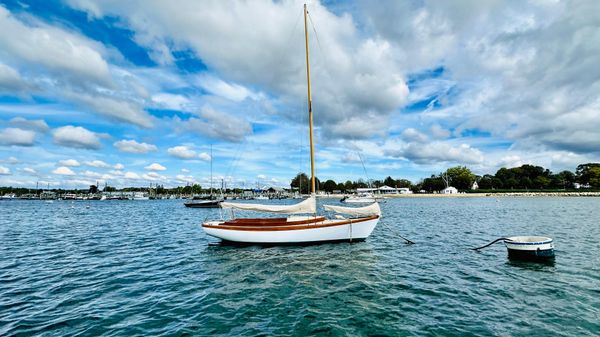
(217, 125)
(11, 81)
(131, 176)
(355, 74)
(184, 152)
(64, 171)
(119, 166)
(4, 170)
(53, 48)
(131, 146)
(16, 136)
(171, 101)
(69, 162)
(36, 125)
(155, 167)
(76, 137)
(97, 163)
(114, 108)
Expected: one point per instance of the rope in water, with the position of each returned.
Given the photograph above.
(491, 243)
(408, 242)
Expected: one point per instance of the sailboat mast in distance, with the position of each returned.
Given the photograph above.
(310, 114)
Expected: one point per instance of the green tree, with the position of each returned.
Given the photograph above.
(585, 172)
(460, 177)
(303, 183)
(594, 176)
(329, 186)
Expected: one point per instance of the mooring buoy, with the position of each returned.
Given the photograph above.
(532, 248)
(529, 247)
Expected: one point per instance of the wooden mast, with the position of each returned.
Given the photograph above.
(310, 114)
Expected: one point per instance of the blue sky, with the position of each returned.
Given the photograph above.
(139, 92)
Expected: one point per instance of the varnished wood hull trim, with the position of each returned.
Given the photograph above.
(271, 222)
(341, 230)
(289, 227)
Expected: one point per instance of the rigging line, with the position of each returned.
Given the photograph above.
(289, 43)
(337, 99)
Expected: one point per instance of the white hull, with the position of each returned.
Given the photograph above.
(350, 231)
(359, 200)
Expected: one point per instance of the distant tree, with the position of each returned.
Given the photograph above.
(433, 184)
(403, 183)
(585, 173)
(460, 177)
(389, 181)
(348, 185)
(303, 183)
(594, 176)
(93, 189)
(109, 189)
(486, 182)
(329, 186)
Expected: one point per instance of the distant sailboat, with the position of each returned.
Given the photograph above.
(212, 202)
(295, 229)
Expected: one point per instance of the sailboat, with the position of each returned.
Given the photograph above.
(302, 224)
(212, 202)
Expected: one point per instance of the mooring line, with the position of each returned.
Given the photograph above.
(489, 244)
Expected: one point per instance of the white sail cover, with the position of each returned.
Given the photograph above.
(307, 206)
(372, 209)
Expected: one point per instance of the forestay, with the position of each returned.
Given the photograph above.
(307, 206)
(372, 209)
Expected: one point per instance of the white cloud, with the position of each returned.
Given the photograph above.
(171, 101)
(69, 162)
(131, 176)
(114, 108)
(16, 136)
(216, 124)
(37, 125)
(53, 48)
(76, 137)
(119, 166)
(29, 170)
(4, 170)
(11, 81)
(132, 146)
(153, 176)
(155, 167)
(184, 152)
(204, 156)
(97, 163)
(185, 170)
(63, 170)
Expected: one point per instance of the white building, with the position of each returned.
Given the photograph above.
(449, 190)
(475, 186)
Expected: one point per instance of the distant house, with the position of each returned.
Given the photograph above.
(449, 190)
(475, 186)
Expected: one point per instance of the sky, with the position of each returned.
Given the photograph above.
(133, 93)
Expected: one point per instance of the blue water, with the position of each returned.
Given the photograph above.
(124, 268)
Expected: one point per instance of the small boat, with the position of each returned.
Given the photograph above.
(529, 247)
(204, 204)
(359, 199)
(302, 225)
(140, 196)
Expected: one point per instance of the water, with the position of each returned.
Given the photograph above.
(124, 268)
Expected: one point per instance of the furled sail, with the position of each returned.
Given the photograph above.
(372, 209)
(307, 206)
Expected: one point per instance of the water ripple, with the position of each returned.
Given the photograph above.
(146, 268)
